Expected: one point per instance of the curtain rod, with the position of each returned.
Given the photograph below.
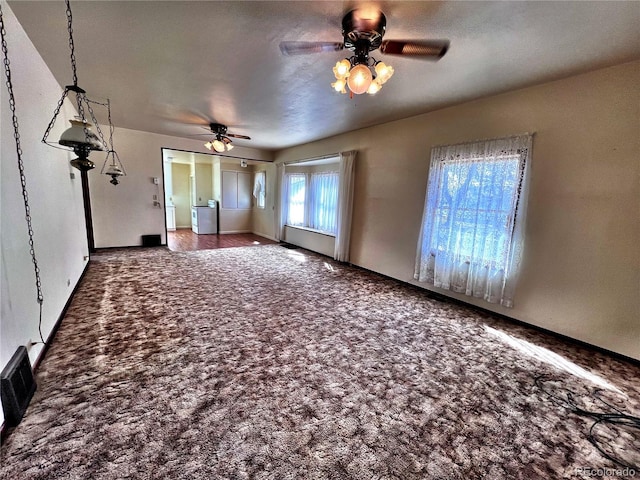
(293, 162)
(485, 140)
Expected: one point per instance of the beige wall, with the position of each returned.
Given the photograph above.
(123, 213)
(262, 219)
(581, 270)
(180, 173)
(204, 183)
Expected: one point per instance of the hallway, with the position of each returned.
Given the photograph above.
(184, 240)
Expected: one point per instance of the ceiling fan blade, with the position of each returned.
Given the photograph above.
(235, 135)
(301, 48)
(427, 49)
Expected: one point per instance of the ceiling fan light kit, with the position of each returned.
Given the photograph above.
(362, 32)
(222, 142)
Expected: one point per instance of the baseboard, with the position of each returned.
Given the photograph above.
(226, 232)
(268, 237)
(98, 249)
(50, 337)
(444, 298)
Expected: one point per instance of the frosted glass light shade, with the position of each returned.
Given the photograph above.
(218, 146)
(339, 85)
(341, 70)
(80, 135)
(114, 170)
(383, 72)
(374, 87)
(359, 79)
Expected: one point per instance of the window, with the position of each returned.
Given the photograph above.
(323, 202)
(471, 237)
(259, 191)
(297, 183)
(312, 201)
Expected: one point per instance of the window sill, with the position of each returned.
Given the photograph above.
(313, 230)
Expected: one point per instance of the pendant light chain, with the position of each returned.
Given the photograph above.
(111, 128)
(109, 147)
(81, 98)
(80, 94)
(53, 120)
(67, 88)
(95, 121)
(71, 44)
(23, 179)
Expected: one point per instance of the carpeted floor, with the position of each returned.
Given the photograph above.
(270, 363)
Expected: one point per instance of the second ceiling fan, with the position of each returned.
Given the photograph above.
(362, 32)
(222, 143)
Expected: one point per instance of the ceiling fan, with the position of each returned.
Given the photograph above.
(362, 32)
(222, 142)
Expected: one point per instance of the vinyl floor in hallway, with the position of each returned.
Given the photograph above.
(184, 240)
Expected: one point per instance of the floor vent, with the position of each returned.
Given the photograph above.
(17, 387)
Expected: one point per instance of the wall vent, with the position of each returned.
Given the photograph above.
(17, 386)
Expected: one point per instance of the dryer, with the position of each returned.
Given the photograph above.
(204, 220)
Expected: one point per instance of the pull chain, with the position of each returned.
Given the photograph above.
(23, 178)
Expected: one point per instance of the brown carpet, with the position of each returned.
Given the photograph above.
(270, 363)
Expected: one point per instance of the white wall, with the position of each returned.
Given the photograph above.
(123, 213)
(55, 201)
(581, 271)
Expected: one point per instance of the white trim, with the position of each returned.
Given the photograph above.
(312, 230)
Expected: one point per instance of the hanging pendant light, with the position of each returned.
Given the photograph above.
(115, 169)
(78, 137)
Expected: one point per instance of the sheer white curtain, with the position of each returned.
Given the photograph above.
(281, 204)
(345, 205)
(296, 196)
(259, 190)
(323, 201)
(471, 239)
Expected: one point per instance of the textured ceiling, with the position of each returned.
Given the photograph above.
(167, 64)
